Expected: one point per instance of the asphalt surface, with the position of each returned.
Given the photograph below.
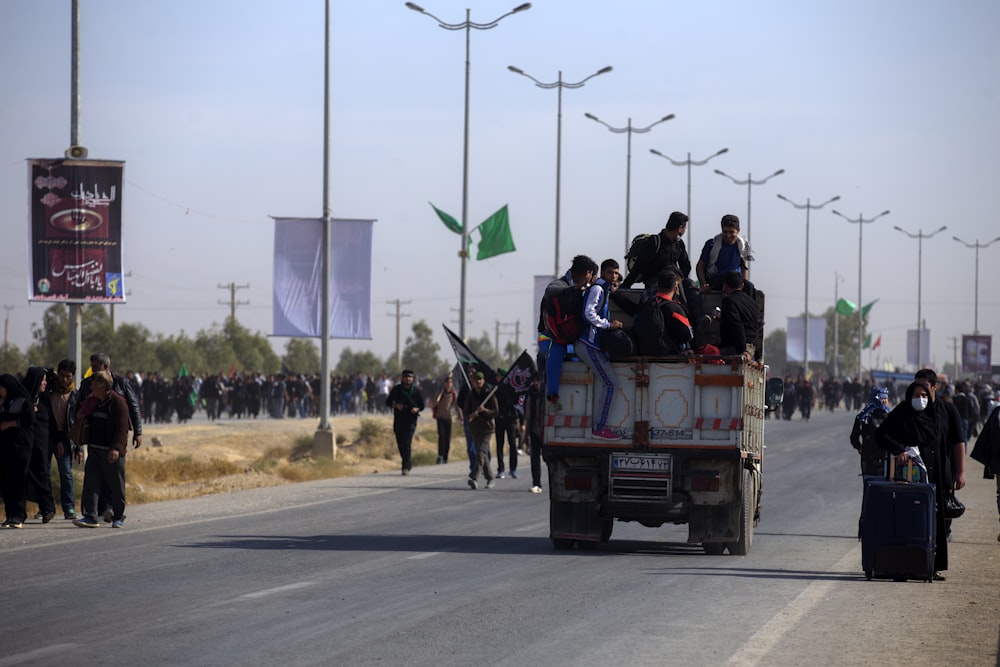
(420, 570)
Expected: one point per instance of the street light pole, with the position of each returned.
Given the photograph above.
(977, 245)
(559, 84)
(749, 182)
(628, 129)
(808, 206)
(688, 163)
(467, 26)
(920, 236)
(860, 221)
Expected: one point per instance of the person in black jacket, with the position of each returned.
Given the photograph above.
(862, 435)
(739, 328)
(17, 418)
(987, 451)
(99, 361)
(38, 484)
(406, 402)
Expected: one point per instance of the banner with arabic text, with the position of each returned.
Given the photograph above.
(75, 238)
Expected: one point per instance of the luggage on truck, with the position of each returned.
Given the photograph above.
(898, 528)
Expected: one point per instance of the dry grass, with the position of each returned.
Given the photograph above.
(230, 455)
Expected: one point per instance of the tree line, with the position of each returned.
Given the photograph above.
(225, 348)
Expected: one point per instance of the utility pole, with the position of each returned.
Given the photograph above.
(399, 316)
(954, 352)
(6, 324)
(496, 338)
(232, 287)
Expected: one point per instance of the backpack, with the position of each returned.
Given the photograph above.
(640, 249)
(563, 314)
(649, 329)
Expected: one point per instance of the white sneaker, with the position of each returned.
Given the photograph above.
(536, 489)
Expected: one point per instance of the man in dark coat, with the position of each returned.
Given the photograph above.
(406, 402)
(739, 328)
(987, 451)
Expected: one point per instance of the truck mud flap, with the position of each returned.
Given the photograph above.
(574, 521)
(713, 523)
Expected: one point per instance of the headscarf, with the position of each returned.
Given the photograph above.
(33, 380)
(14, 388)
(906, 427)
(876, 401)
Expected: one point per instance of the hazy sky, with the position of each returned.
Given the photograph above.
(217, 110)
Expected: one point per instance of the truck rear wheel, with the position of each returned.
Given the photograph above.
(562, 544)
(747, 510)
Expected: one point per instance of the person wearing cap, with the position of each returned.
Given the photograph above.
(406, 402)
(480, 409)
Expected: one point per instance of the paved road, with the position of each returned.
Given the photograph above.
(420, 570)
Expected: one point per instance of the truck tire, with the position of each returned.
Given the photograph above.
(562, 544)
(747, 509)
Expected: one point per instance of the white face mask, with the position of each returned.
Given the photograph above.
(919, 403)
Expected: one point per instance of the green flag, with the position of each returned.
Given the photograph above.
(865, 309)
(449, 222)
(868, 342)
(845, 307)
(496, 238)
(183, 372)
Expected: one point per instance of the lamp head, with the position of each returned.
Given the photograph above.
(520, 8)
(415, 7)
(515, 70)
(604, 70)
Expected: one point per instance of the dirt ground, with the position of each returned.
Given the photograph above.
(243, 442)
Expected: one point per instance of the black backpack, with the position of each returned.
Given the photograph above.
(563, 314)
(649, 329)
(642, 247)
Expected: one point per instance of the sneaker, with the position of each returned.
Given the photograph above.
(13, 523)
(605, 434)
(490, 484)
(513, 474)
(406, 471)
(501, 474)
(86, 522)
(38, 515)
(108, 515)
(48, 517)
(439, 461)
(473, 485)
(118, 523)
(939, 577)
(536, 489)
(69, 514)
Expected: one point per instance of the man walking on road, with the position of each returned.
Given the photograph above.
(406, 402)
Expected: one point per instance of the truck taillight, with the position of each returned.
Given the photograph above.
(578, 482)
(705, 481)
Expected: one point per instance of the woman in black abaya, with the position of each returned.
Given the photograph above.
(913, 423)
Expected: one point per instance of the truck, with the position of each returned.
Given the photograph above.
(690, 448)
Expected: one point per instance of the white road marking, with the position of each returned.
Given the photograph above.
(276, 590)
(36, 654)
(765, 639)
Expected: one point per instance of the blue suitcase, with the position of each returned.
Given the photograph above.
(898, 530)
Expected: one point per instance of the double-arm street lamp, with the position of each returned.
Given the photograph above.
(559, 84)
(630, 130)
(808, 206)
(977, 245)
(920, 236)
(467, 25)
(689, 163)
(749, 182)
(860, 221)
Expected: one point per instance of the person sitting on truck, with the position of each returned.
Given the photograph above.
(581, 272)
(665, 332)
(739, 327)
(596, 306)
(722, 254)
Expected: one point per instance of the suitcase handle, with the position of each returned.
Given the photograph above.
(892, 468)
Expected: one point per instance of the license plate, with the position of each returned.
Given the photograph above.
(641, 462)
